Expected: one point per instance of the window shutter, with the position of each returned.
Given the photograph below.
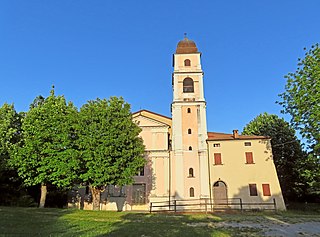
(217, 159)
(266, 190)
(249, 158)
(253, 190)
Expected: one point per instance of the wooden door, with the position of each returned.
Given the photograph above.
(220, 193)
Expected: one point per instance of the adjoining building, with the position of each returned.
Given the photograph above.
(191, 166)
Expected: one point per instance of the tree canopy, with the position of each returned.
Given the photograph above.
(302, 97)
(10, 131)
(46, 154)
(296, 172)
(111, 151)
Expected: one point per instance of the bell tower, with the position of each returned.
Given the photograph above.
(189, 125)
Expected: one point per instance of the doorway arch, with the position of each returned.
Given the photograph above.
(220, 193)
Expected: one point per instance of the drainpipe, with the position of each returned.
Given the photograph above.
(169, 180)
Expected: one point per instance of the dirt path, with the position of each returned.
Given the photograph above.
(275, 227)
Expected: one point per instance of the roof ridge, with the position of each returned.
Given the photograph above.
(148, 111)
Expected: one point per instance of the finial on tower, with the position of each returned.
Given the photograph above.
(186, 46)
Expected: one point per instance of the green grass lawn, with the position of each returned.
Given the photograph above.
(17, 221)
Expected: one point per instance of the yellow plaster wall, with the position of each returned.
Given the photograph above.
(238, 175)
(179, 62)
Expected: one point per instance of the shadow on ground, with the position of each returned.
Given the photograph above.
(142, 224)
(17, 221)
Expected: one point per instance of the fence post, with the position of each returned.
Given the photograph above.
(175, 205)
(206, 205)
(274, 204)
(241, 204)
(150, 207)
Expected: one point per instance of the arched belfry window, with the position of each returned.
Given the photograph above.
(191, 192)
(191, 172)
(187, 62)
(189, 131)
(188, 110)
(190, 148)
(188, 85)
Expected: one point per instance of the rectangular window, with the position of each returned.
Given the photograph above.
(253, 190)
(141, 172)
(217, 159)
(138, 194)
(249, 158)
(115, 191)
(216, 145)
(247, 144)
(266, 190)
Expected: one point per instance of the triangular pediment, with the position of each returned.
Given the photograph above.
(143, 121)
(146, 118)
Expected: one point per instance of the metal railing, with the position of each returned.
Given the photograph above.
(205, 205)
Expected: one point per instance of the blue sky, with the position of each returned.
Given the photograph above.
(101, 48)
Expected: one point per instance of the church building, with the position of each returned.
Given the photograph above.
(190, 168)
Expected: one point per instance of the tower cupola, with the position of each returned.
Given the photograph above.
(186, 46)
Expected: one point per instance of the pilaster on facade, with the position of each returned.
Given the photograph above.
(176, 128)
(178, 190)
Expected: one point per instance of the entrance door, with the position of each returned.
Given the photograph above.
(139, 194)
(220, 196)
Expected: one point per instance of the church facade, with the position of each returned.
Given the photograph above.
(188, 164)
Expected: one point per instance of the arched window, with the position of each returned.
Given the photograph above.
(189, 131)
(191, 192)
(191, 172)
(188, 85)
(190, 148)
(219, 184)
(187, 62)
(188, 110)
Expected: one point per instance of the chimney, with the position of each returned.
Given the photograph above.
(235, 134)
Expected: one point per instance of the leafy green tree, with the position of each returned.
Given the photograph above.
(295, 171)
(302, 98)
(111, 151)
(309, 173)
(47, 154)
(10, 130)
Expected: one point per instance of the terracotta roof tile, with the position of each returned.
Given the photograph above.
(216, 136)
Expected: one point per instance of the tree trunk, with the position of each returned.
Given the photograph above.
(43, 195)
(95, 192)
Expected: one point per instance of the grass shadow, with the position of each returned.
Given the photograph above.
(18, 221)
(143, 224)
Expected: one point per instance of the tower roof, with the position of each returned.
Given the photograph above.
(186, 46)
